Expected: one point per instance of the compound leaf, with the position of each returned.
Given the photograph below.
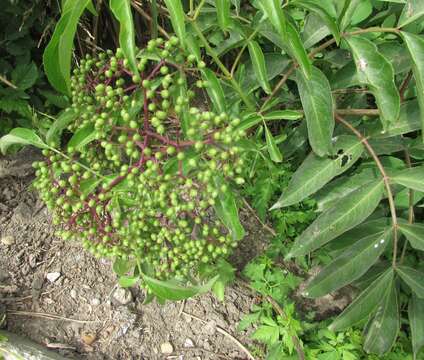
(317, 101)
(413, 278)
(411, 178)
(346, 214)
(316, 171)
(416, 322)
(414, 233)
(349, 265)
(21, 136)
(58, 53)
(415, 45)
(122, 11)
(375, 71)
(365, 303)
(383, 328)
(258, 62)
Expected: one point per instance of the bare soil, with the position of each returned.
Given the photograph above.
(80, 314)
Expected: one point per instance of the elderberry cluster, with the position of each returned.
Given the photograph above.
(142, 169)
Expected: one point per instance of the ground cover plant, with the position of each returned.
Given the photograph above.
(311, 110)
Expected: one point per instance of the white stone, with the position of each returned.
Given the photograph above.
(188, 343)
(166, 348)
(53, 276)
(8, 240)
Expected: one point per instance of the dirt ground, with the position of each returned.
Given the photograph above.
(64, 298)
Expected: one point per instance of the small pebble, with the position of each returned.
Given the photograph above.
(122, 296)
(7, 240)
(73, 294)
(166, 348)
(53, 276)
(188, 343)
(95, 302)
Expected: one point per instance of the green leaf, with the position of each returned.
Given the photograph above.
(226, 209)
(122, 266)
(82, 137)
(383, 328)
(365, 303)
(122, 11)
(60, 124)
(316, 171)
(412, 11)
(297, 50)
(317, 101)
(273, 150)
(58, 53)
(375, 71)
(171, 290)
(267, 334)
(414, 233)
(89, 185)
(413, 278)
(347, 13)
(272, 9)
(59, 100)
(349, 265)
(19, 106)
(214, 90)
(254, 118)
(415, 45)
(411, 178)
(258, 61)
(21, 136)
(25, 75)
(176, 12)
(346, 214)
(223, 12)
(322, 13)
(128, 281)
(416, 323)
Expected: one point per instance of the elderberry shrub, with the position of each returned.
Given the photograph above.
(143, 169)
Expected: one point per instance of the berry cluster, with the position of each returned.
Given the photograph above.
(143, 168)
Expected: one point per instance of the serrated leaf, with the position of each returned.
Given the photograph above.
(414, 233)
(316, 171)
(273, 150)
(121, 9)
(267, 334)
(415, 45)
(82, 137)
(58, 53)
(383, 328)
(59, 100)
(226, 209)
(128, 281)
(413, 278)
(412, 178)
(176, 12)
(349, 265)
(365, 303)
(346, 214)
(317, 101)
(60, 124)
(89, 185)
(416, 323)
(214, 90)
(375, 71)
(412, 11)
(314, 30)
(170, 290)
(322, 13)
(20, 106)
(25, 75)
(21, 136)
(223, 12)
(258, 61)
